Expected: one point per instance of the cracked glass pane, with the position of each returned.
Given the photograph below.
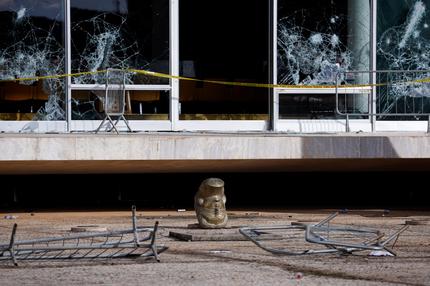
(403, 45)
(315, 42)
(32, 46)
(122, 34)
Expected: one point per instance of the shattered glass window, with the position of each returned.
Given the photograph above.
(404, 47)
(316, 42)
(32, 45)
(122, 34)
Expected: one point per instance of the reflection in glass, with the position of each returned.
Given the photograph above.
(123, 34)
(31, 45)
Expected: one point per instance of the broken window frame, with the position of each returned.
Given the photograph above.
(275, 123)
(41, 52)
(90, 125)
(318, 125)
(403, 41)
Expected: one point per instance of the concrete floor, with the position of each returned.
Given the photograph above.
(224, 262)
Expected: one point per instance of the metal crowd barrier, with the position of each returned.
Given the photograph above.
(335, 239)
(109, 244)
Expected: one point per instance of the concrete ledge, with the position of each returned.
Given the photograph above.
(211, 166)
(176, 152)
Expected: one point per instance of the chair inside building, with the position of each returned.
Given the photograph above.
(114, 101)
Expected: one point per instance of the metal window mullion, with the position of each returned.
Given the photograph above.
(373, 67)
(68, 65)
(274, 116)
(174, 63)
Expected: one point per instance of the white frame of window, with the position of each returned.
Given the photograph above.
(211, 125)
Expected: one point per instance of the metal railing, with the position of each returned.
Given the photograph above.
(383, 94)
(339, 239)
(136, 241)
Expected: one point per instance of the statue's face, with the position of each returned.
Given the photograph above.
(210, 207)
(213, 209)
(217, 201)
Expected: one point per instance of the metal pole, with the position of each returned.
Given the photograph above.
(373, 67)
(428, 124)
(12, 245)
(273, 66)
(68, 65)
(337, 93)
(154, 242)
(133, 218)
(347, 123)
(174, 63)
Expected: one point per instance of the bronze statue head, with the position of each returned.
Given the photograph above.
(209, 203)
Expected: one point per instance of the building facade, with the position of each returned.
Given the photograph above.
(341, 65)
(256, 74)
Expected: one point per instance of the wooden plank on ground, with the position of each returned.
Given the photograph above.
(218, 237)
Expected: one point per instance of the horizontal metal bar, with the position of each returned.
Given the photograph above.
(384, 114)
(79, 247)
(118, 86)
(147, 253)
(386, 71)
(328, 219)
(247, 233)
(394, 235)
(82, 236)
(310, 237)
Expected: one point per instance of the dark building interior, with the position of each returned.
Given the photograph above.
(383, 190)
(224, 41)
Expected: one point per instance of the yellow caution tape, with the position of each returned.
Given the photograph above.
(233, 83)
(244, 84)
(35, 78)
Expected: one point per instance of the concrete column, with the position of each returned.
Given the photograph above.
(359, 45)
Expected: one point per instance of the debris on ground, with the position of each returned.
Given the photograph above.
(88, 228)
(424, 221)
(213, 235)
(105, 244)
(380, 253)
(298, 275)
(335, 238)
(219, 251)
